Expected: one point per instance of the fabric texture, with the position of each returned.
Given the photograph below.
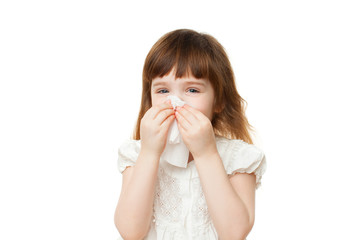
(180, 210)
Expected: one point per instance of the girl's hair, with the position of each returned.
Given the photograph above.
(189, 52)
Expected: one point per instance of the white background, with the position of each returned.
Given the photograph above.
(70, 91)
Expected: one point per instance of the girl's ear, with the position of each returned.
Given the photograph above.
(219, 109)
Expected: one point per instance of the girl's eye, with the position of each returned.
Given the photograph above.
(163, 91)
(193, 90)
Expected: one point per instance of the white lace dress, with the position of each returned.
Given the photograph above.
(180, 210)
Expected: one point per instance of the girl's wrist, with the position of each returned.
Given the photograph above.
(206, 155)
(149, 154)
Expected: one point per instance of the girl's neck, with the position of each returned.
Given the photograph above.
(190, 157)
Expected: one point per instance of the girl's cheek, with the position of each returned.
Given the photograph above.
(156, 100)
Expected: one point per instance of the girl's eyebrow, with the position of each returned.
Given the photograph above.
(158, 83)
(201, 82)
(155, 84)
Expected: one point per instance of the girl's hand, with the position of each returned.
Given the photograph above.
(197, 131)
(154, 128)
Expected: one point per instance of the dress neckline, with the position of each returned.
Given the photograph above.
(190, 164)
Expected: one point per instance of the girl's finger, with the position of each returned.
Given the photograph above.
(164, 114)
(166, 124)
(189, 116)
(182, 121)
(181, 129)
(156, 109)
(197, 114)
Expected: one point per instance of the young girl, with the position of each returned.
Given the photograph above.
(213, 197)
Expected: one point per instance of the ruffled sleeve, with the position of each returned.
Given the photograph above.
(242, 157)
(128, 153)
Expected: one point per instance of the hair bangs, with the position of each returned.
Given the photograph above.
(185, 56)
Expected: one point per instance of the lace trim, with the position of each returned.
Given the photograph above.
(202, 230)
(196, 232)
(199, 208)
(168, 200)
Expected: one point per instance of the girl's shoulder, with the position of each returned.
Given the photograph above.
(131, 143)
(242, 157)
(227, 145)
(128, 152)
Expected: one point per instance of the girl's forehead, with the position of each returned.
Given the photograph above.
(172, 77)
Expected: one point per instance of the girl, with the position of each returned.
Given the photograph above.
(214, 196)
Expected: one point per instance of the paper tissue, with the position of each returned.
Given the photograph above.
(176, 153)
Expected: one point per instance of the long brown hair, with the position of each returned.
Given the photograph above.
(189, 52)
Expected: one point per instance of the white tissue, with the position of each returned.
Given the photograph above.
(176, 153)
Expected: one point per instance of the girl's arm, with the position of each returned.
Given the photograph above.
(135, 206)
(230, 201)
(232, 212)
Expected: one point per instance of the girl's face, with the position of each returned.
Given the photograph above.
(197, 93)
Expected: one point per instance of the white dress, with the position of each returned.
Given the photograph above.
(180, 210)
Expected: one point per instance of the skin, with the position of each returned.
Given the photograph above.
(134, 208)
(195, 92)
(198, 93)
(232, 215)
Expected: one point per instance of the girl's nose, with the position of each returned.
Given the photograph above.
(181, 98)
(178, 96)
(176, 100)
